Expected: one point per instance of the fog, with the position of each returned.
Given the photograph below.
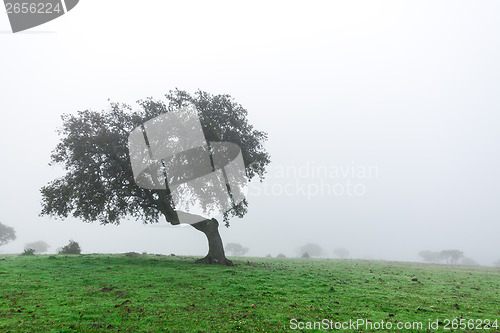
(382, 118)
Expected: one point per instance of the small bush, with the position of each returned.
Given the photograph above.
(28, 252)
(306, 255)
(72, 248)
(281, 256)
(39, 247)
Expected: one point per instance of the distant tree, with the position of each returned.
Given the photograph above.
(468, 262)
(236, 249)
(72, 248)
(305, 255)
(281, 256)
(38, 247)
(99, 184)
(451, 257)
(7, 234)
(430, 256)
(341, 253)
(313, 250)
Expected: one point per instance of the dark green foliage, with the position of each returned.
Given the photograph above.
(28, 252)
(7, 234)
(99, 183)
(72, 248)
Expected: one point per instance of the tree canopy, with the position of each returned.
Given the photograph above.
(7, 234)
(447, 256)
(99, 184)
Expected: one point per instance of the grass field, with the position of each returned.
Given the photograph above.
(150, 293)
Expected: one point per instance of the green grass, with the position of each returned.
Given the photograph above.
(148, 293)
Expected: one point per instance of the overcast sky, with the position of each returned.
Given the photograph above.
(399, 99)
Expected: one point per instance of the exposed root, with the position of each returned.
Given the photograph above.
(215, 261)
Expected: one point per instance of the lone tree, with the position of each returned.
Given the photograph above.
(236, 249)
(7, 234)
(451, 257)
(99, 184)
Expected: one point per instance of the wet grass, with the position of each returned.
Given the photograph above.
(148, 293)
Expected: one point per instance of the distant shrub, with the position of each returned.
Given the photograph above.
(28, 252)
(72, 248)
(306, 255)
(430, 256)
(236, 249)
(281, 256)
(312, 250)
(466, 261)
(132, 254)
(39, 247)
(450, 257)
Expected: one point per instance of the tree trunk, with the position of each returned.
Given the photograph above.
(215, 247)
